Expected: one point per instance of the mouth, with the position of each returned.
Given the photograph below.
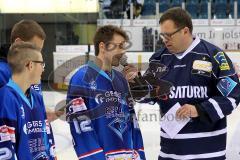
(169, 46)
(118, 57)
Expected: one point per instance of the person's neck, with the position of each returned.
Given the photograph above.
(187, 43)
(20, 80)
(103, 64)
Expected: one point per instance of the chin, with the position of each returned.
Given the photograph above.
(115, 64)
(37, 82)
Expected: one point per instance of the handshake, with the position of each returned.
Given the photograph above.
(150, 85)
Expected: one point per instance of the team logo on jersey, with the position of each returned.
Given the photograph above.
(202, 67)
(226, 85)
(7, 134)
(93, 84)
(222, 61)
(119, 126)
(77, 105)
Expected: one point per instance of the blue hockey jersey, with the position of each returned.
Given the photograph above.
(203, 75)
(102, 120)
(5, 72)
(25, 133)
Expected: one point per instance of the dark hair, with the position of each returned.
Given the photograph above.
(105, 34)
(26, 30)
(179, 16)
(19, 53)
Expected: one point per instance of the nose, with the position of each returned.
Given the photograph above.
(165, 40)
(43, 68)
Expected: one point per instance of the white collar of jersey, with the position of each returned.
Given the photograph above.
(101, 72)
(195, 42)
(15, 86)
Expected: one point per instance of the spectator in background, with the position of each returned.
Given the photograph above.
(137, 8)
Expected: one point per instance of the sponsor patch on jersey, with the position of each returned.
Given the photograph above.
(77, 105)
(222, 61)
(7, 134)
(202, 67)
(120, 155)
(226, 85)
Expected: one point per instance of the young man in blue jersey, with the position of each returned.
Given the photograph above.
(24, 129)
(100, 111)
(28, 31)
(205, 85)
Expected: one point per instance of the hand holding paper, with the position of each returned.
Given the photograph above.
(171, 124)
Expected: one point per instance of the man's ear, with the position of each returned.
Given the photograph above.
(101, 47)
(18, 39)
(29, 65)
(186, 30)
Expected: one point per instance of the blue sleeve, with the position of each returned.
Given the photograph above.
(226, 85)
(84, 137)
(5, 73)
(137, 136)
(8, 129)
(136, 132)
(52, 152)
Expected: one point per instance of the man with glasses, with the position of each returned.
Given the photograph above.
(205, 90)
(24, 128)
(28, 31)
(100, 111)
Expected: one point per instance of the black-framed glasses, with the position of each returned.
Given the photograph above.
(41, 62)
(123, 45)
(169, 35)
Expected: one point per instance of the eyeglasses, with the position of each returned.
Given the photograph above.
(169, 35)
(123, 45)
(41, 62)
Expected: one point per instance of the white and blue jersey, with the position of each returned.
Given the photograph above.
(203, 76)
(25, 132)
(102, 120)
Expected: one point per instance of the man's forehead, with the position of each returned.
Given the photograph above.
(167, 25)
(118, 38)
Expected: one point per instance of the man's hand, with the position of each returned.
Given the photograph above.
(130, 72)
(187, 111)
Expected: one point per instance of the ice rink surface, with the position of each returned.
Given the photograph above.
(149, 122)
